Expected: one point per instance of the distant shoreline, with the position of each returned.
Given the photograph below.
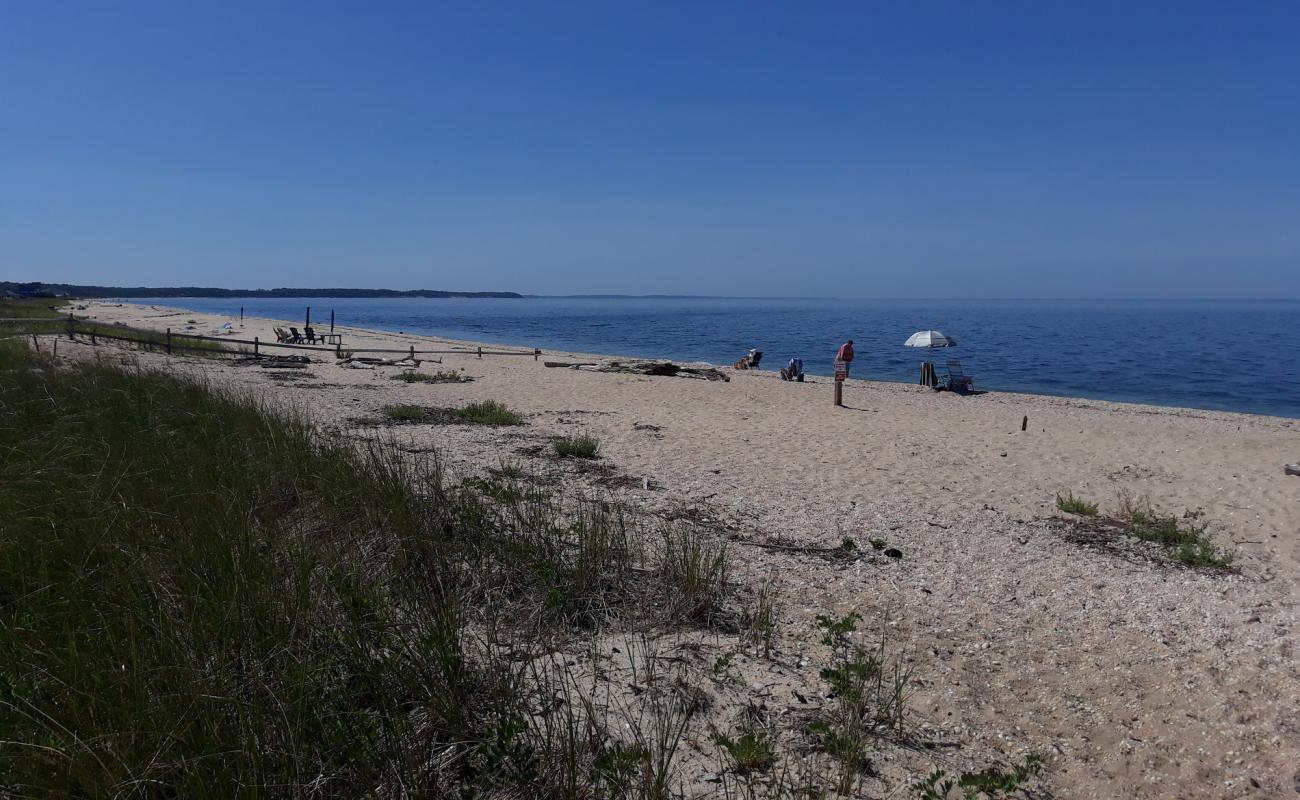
(41, 289)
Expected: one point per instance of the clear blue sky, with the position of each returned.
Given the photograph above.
(1035, 149)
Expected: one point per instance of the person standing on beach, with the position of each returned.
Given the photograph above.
(845, 354)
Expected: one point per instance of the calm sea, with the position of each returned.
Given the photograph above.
(1235, 356)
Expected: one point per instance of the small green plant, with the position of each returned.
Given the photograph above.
(723, 662)
(759, 619)
(693, 571)
(1074, 505)
(583, 446)
(878, 544)
(835, 632)
(991, 783)
(508, 469)
(405, 413)
(750, 751)
(1185, 538)
(489, 412)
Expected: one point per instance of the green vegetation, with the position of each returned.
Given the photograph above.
(750, 751)
(1074, 505)
(445, 376)
(870, 698)
(1186, 538)
(202, 599)
(405, 413)
(583, 446)
(991, 783)
(489, 412)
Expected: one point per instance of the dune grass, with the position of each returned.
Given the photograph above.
(489, 412)
(582, 446)
(1074, 505)
(202, 599)
(405, 412)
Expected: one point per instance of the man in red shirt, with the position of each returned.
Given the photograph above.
(845, 354)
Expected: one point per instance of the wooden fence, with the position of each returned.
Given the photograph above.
(170, 341)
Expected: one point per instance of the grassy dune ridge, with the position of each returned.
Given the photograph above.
(200, 598)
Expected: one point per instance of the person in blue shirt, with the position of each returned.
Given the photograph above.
(793, 371)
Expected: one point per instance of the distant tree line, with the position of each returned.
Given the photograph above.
(38, 289)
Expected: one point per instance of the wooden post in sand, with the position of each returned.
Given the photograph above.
(537, 353)
(412, 356)
(480, 352)
(841, 372)
(1024, 423)
(255, 345)
(331, 320)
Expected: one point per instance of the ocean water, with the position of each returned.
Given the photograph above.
(1225, 355)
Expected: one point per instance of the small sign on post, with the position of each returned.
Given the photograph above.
(841, 372)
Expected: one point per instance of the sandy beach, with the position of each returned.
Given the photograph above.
(1130, 675)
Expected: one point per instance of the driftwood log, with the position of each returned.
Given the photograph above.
(659, 368)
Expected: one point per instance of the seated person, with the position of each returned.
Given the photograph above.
(793, 371)
(755, 356)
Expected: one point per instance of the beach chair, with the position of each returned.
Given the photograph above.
(280, 335)
(956, 379)
(310, 335)
(294, 336)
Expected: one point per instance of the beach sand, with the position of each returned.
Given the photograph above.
(1133, 677)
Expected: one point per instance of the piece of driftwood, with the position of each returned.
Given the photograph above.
(569, 364)
(658, 368)
(358, 362)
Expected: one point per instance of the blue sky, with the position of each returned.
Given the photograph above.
(1035, 149)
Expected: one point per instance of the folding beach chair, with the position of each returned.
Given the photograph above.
(295, 337)
(957, 380)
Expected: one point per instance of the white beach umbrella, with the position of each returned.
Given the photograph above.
(929, 339)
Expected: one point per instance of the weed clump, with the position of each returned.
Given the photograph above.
(751, 750)
(405, 413)
(1074, 505)
(1185, 538)
(489, 412)
(584, 446)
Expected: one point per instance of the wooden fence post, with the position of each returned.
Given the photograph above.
(480, 352)
(338, 349)
(536, 354)
(169, 341)
(255, 345)
(412, 356)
